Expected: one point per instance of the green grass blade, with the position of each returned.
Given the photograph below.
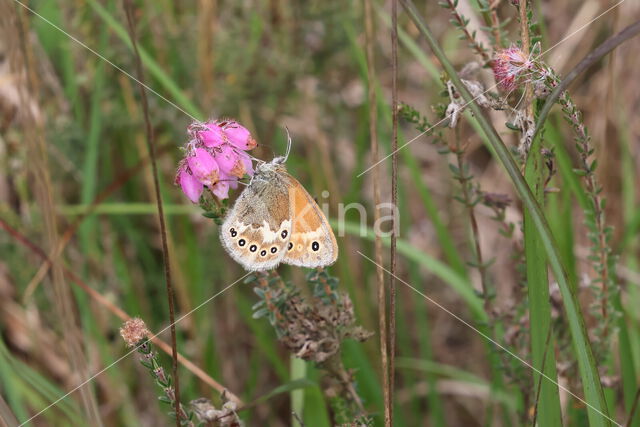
(542, 349)
(298, 370)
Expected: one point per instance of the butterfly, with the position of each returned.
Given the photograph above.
(275, 220)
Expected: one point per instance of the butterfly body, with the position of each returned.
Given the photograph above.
(276, 221)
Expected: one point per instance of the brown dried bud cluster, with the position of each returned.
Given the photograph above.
(133, 331)
(315, 332)
(224, 417)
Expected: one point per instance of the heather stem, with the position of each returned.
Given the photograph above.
(469, 202)
(461, 22)
(593, 191)
(336, 369)
(495, 23)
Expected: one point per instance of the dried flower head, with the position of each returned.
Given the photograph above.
(215, 158)
(316, 331)
(510, 66)
(224, 417)
(133, 331)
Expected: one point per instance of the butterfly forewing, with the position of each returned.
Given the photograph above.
(257, 230)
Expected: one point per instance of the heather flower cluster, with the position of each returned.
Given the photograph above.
(216, 157)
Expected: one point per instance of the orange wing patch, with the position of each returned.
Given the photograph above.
(312, 242)
(304, 210)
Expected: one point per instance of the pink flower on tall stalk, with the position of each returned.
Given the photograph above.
(215, 159)
(510, 67)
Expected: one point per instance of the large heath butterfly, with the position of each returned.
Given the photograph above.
(276, 221)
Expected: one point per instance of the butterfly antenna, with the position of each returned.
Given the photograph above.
(286, 154)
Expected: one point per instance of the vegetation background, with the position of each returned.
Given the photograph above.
(79, 139)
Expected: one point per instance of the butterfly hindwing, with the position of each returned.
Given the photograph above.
(312, 242)
(258, 227)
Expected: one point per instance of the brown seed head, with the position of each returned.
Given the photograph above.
(133, 331)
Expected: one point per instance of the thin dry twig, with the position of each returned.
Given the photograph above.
(128, 7)
(373, 135)
(394, 200)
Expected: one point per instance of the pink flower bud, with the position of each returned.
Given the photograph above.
(191, 187)
(204, 167)
(239, 136)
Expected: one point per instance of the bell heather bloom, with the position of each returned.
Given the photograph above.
(204, 167)
(215, 158)
(238, 135)
(213, 136)
(510, 66)
(191, 187)
(234, 162)
(221, 190)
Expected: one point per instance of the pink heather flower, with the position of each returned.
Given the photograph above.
(215, 158)
(248, 163)
(233, 162)
(204, 167)
(213, 135)
(221, 189)
(509, 65)
(238, 135)
(191, 187)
